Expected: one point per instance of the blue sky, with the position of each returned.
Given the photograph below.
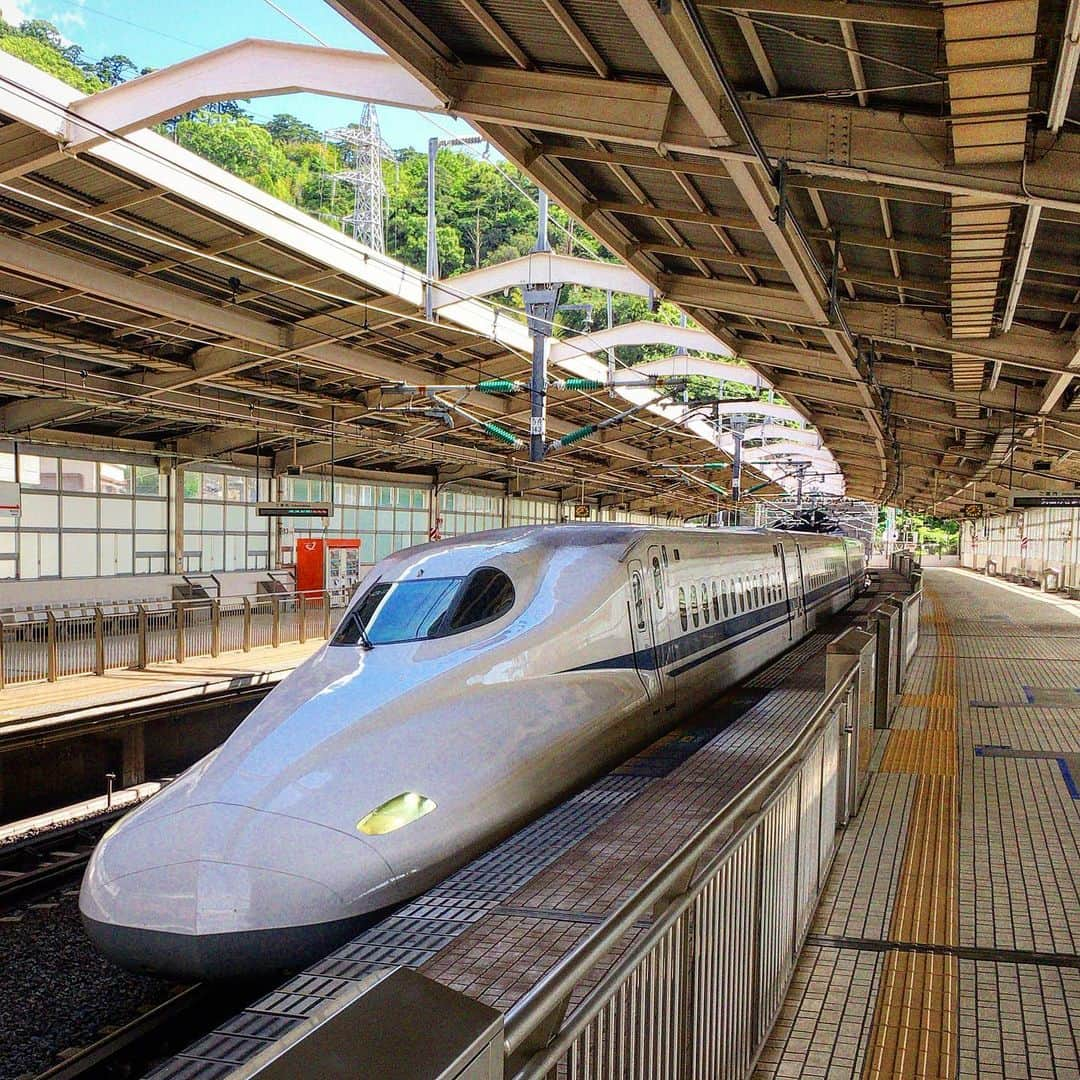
(158, 33)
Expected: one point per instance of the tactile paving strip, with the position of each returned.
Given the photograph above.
(1003, 998)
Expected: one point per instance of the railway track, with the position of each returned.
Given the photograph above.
(38, 865)
(127, 1050)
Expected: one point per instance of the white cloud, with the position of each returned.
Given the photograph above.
(16, 11)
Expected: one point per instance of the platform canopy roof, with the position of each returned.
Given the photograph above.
(877, 204)
(150, 302)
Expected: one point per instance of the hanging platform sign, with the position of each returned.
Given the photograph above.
(10, 499)
(294, 509)
(1029, 502)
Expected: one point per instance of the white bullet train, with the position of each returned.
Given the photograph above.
(471, 684)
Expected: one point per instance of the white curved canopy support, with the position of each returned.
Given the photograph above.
(759, 408)
(770, 433)
(647, 333)
(246, 69)
(701, 365)
(540, 267)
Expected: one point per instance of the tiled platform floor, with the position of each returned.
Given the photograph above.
(946, 942)
(51, 702)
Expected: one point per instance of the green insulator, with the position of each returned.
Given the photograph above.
(577, 436)
(497, 386)
(501, 434)
(715, 465)
(717, 488)
(583, 384)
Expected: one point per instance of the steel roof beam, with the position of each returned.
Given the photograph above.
(917, 16)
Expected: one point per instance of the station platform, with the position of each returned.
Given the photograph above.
(946, 941)
(32, 710)
(494, 928)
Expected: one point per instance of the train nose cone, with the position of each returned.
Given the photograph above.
(219, 891)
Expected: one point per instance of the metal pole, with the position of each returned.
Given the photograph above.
(247, 625)
(140, 660)
(51, 646)
(215, 626)
(432, 266)
(99, 641)
(109, 778)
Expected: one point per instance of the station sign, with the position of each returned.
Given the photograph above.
(1030, 502)
(294, 509)
(581, 511)
(10, 499)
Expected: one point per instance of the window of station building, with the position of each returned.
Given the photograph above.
(83, 517)
(221, 530)
(533, 511)
(383, 517)
(469, 511)
(684, 615)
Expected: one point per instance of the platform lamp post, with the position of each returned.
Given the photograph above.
(541, 302)
(432, 263)
(738, 430)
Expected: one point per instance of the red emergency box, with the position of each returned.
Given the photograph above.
(327, 564)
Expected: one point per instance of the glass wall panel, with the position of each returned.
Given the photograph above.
(220, 520)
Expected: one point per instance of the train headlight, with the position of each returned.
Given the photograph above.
(395, 813)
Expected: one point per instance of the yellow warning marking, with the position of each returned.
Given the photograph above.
(927, 753)
(916, 1015)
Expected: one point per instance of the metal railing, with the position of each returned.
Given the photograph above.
(43, 646)
(697, 995)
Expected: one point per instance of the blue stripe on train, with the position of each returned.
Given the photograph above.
(710, 641)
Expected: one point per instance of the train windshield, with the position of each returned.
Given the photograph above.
(397, 611)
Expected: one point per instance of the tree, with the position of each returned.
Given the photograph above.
(111, 70)
(242, 147)
(286, 128)
(35, 51)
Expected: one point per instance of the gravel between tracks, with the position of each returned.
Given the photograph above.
(55, 990)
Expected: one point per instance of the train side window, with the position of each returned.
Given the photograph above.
(724, 596)
(663, 551)
(715, 603)
(486, 595)
(675, 552)
(705, 602)
(683, 617)
(658, 583)
(740, 593)
(693, 606)
(639, 599)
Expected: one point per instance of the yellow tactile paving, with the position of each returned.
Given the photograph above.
(946, 941)
(916, 1018)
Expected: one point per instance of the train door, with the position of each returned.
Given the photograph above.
(778, 551)
(643, 633)
(799, 592)
(663, 620)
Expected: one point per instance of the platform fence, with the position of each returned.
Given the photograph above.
(696, 993)
(51, 644)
